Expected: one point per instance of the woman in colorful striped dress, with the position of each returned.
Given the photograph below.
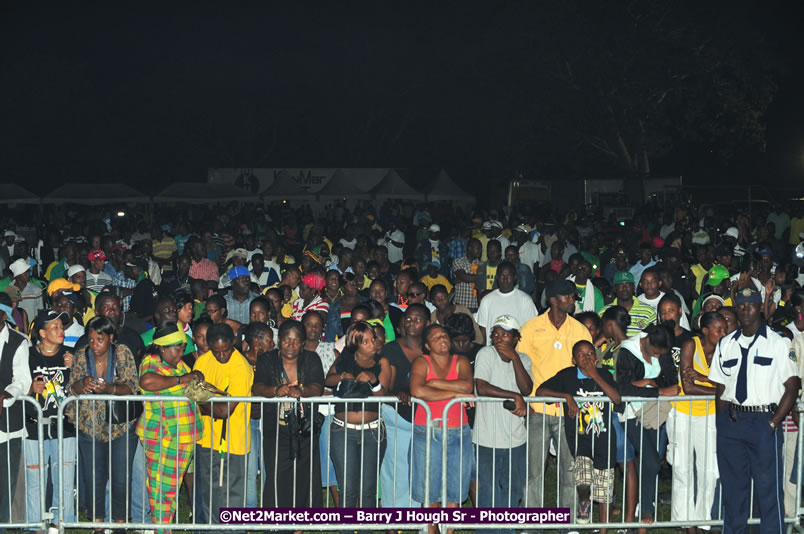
(169, 429)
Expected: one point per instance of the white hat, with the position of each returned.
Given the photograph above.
(507, 323)
(9, 233)
(732, 231)
(522, 228)
(75, 269)
(18, 267)
(434, 228)
(486, 226)
(496, 224)
(700, 238)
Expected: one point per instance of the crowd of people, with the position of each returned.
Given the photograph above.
(421, 303)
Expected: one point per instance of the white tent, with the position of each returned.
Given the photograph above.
(287, 186)
(393, 186)
(204, 193)
(16, 194)
(445, 188)
(341, 186)
(95, 195)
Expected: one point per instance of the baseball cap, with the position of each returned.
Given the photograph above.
(18, 267)
(622, 277)
(434, 228)
(45, 316)
(9, 233)
(522, 228)
(559, 287)
(236, 272)
(96, 254)
(496, 224)
(717, 274)
(75, 269)
(507, 323)
(713, 297)
(138, 262)
(701, 237)
(486, 226)
(238, 252)
(657, 242)
(732, 231)
(61, 284)
(747, 295)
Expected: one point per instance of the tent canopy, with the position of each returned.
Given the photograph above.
(393, 186)
(286, 187)
(445, 188)
(341, 186)
(95, 194)
(204, 193)
(16, 194)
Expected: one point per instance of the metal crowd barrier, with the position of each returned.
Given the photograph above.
(188, 515)
(16, 512)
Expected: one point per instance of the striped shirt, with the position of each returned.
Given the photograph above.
(175, 420)
(317, 304)
(642, 316)
(164, 250)
(96, 282)
(204, 270)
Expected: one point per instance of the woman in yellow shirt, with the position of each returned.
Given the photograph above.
(691, 427)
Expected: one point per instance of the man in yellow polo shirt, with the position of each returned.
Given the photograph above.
(221, 453)
(548, 340)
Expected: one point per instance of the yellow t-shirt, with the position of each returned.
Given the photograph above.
(236, 378)
(550, 350)
(491, 275)
(700, 407)
(699, 273)
(439, 279)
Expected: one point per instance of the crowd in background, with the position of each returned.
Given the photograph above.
(410, 300)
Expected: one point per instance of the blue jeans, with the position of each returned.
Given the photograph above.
(395, 468)
(357, 455)
(254, 463)
(93, 470)
(492, 477)
(140, 505)
(49, 463)
(459, 462)
(328, 475)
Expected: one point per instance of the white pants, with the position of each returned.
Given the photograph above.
(694, 460)
(790, 442)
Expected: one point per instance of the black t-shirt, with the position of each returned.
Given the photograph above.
(271, 373)
(675, 349)
(56, 375)
(347, 363)
(593, 422)
(396, 357)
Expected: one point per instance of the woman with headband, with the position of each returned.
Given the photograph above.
(309, 297)
(168, 430)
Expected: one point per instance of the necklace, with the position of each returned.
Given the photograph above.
(43, 350)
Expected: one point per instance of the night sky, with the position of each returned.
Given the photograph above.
(146, 95)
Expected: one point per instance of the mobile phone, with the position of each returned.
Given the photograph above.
(509, 405)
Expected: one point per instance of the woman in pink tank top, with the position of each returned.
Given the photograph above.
(437, 377)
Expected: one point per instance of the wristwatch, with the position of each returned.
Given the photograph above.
(772, 426)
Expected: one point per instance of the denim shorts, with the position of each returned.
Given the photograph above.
(625, 451)
(459, 463)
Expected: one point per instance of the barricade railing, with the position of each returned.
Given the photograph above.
(22, 464)
(219, 489)
(690, 438)
(223, 479)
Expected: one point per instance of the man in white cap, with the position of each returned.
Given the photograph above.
(500, 432)
(31, 293)
(494, 231)
(433, 250)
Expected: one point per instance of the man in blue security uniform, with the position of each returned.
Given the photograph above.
(757, 383)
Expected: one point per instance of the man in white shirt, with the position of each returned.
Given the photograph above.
(394, 242)
(505, 300)
(15, 381)
(530, 253)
